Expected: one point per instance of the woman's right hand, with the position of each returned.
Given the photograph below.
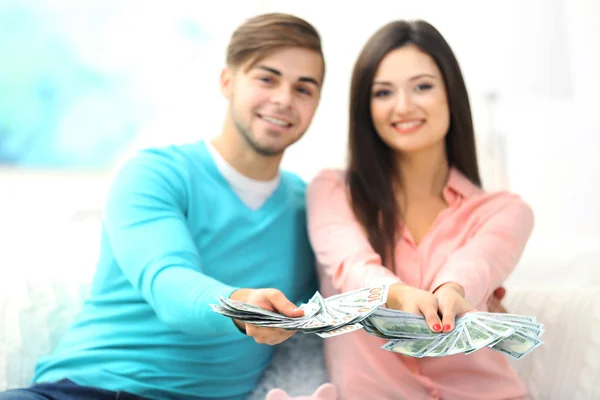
(416, 301)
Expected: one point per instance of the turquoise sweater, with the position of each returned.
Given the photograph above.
(175, 235)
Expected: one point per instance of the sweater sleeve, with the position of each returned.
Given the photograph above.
(492, 252)
(147, 230)
(341, 247)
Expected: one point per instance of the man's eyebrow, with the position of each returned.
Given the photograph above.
(269, 69)
(274, 71)
(309, 80)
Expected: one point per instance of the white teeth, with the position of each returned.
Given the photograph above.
(409, 124)
(276, 121)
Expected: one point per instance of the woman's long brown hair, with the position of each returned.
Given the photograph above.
(372, 171)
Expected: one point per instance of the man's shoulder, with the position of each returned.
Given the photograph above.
(172, 152)
(161, 169)
(167, 159)
(295, 187)
(337, 175)
(294, 180)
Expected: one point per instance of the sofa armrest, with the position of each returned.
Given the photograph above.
(567, 365)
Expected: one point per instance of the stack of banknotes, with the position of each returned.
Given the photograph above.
(328, 317)
(408, 334)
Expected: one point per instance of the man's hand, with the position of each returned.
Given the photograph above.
(268, 299)
(494, 301)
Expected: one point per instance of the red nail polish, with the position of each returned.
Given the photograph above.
(437, 327)
(447, 327)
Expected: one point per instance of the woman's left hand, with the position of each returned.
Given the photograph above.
(451, 302)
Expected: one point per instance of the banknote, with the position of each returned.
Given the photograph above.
(326, 317)
(409, 334)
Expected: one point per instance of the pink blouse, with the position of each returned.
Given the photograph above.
(476, 242)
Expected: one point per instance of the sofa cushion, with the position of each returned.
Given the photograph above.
(567, 365)
(298, 367)
(34, 315)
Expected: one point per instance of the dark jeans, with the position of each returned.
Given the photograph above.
(65, 390)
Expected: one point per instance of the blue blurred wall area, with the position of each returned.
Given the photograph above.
(80, 80)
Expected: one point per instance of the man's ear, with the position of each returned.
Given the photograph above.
(227, 82)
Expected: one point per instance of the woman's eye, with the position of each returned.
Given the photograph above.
(382, 93)
(423, 86)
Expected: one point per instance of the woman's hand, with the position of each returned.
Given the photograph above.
(447, 301)
(451, 303)
(415, 301)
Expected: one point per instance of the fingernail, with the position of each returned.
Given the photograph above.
(437, 327)
(447, 327)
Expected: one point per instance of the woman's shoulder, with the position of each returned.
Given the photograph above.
(479, 198)
(329, 176)
(328, 185)
(498, 204)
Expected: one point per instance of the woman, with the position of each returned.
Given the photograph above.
(409, 211)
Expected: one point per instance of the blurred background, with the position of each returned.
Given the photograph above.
(83, 85)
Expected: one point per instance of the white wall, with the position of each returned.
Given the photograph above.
(541, 58)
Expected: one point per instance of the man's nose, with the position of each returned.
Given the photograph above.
(282, 96)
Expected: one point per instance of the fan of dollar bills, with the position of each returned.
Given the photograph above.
(328, 317)
(408, 334)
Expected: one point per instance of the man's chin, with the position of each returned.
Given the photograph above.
(269, 151)
(269, 144)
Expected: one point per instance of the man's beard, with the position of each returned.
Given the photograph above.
(248, 137)
(262, 150)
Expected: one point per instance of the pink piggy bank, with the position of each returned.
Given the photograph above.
(327, 391)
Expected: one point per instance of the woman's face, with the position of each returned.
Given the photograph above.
(409, 106)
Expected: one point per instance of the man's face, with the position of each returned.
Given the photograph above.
(272, 104)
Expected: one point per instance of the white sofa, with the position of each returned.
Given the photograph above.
(563, 292)
(34, 315)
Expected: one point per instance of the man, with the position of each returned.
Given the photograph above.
(185, 224)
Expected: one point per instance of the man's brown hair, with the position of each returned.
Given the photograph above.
(262, 35)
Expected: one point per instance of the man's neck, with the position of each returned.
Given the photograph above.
(424, 175)
(234, 149)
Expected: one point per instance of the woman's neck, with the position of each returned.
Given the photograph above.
(423, 175)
